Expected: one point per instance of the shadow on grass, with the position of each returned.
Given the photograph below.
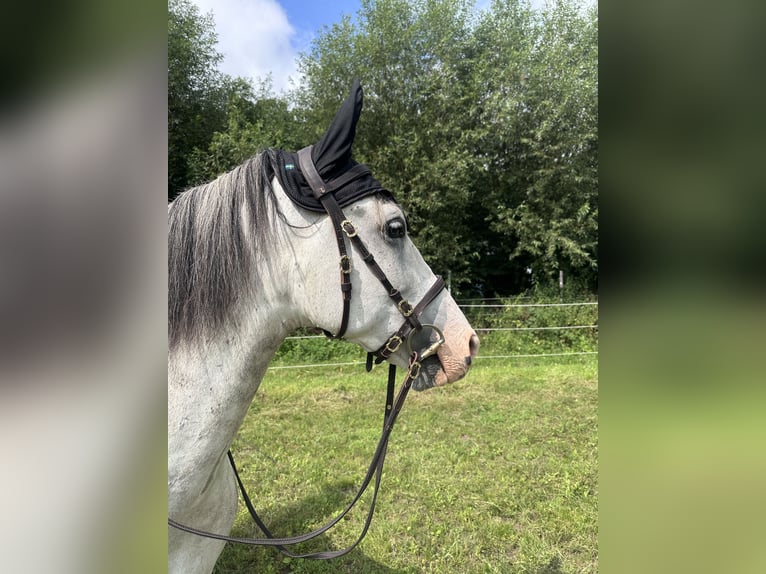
(295, 519)
(553, 567)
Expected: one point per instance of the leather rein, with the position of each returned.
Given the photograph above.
(323, 191)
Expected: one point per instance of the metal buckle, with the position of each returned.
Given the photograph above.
(432, 348)
(395, 347)
(351, 233)
(345, 264)
(414, 371)
(405, 311)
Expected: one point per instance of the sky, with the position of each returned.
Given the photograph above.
(262, 37)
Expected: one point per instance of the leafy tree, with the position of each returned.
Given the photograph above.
(548, 111)
(196, 89)
(215, 122)
(484, 127)
(256, 119)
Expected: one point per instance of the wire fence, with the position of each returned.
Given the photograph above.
(560, 330)
(520, 305)
(479, 330)
(480, 357)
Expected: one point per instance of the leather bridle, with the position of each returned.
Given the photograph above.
(323, 191)
(411, 325)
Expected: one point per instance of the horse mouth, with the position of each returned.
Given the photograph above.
(446, 365)
(433, 374)
(429, 372)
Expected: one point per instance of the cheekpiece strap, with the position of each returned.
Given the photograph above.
(323, 193)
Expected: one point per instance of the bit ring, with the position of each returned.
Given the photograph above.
(432, 348)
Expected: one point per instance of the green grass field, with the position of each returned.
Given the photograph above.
(495, 473)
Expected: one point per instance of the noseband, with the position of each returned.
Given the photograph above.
(323, 191)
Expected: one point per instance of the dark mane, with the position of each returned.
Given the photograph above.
(209, 261)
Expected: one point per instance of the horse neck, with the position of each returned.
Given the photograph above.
(211, 384)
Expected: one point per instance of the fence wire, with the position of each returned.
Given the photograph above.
(514, 305)
(480, 357)
(561, 328)
(480, 329)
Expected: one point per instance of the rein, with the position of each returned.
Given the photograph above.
(393, 407)
(411, 325)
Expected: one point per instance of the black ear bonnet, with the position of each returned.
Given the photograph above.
(348, 180)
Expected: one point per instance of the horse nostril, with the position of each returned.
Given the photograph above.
(473, 349)
(473, 346)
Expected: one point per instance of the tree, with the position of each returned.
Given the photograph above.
(196, 89)
(484, 127)
(548, 209)
(256, 120)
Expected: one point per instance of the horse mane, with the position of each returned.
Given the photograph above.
(209, 263)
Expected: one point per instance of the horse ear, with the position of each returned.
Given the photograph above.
(332, 153)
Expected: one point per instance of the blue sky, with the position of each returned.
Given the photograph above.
(262, 37)
(307, 15)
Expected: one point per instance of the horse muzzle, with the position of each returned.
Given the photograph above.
(441, 362)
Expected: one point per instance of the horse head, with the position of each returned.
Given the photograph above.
(364, 279)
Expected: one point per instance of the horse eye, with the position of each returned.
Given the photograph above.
(396, 229)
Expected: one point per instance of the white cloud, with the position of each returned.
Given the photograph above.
(255, 38)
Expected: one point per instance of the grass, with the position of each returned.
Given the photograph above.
(496, 473)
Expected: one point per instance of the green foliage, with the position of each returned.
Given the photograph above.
(256, 120)
(484, 126)
(550, 212)
(317, 349)
(215, 122)
(196, 94)
(537, 330)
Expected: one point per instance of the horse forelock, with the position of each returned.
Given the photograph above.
(210, 262)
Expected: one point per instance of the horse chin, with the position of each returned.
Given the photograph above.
(431, 375)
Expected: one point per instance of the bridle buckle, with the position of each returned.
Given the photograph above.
(405, 308)
(397, 342)
(345, 264)
(345, 225)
